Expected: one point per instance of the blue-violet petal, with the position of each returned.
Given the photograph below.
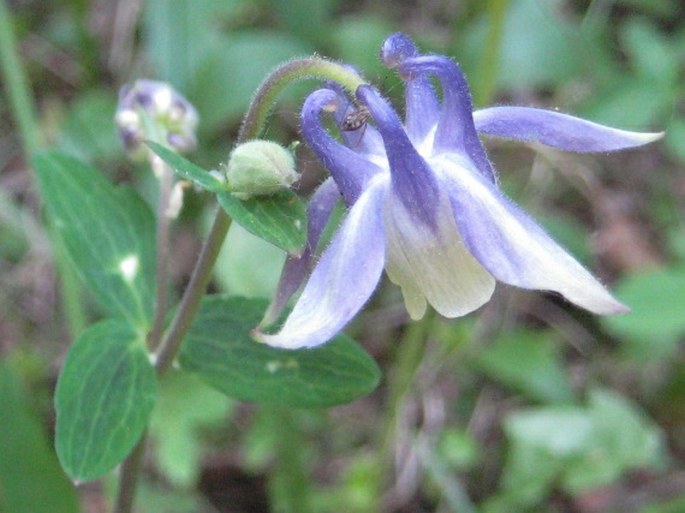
(412, 179)
(455, 132)
(557, 130)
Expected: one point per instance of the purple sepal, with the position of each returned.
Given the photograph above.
(350, 170)
(296, 269)
(344, 278)
(412, 178)
(422, 109)
(557, 130)
(455, 131)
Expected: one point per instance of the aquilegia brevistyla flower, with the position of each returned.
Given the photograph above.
(425, 206)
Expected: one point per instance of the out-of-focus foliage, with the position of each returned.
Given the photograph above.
(527, 405)
(26, 459)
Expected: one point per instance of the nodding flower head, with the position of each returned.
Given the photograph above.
(424, 204)
(154, 110)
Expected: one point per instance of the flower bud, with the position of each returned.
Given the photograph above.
(154, 110)
(260, 168)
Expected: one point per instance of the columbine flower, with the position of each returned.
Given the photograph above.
(425, 205)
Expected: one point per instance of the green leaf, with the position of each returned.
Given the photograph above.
(220, 349)
(247, 265)
(529, 362)
(184, 406)
(675, 135)
(656, 323)
(30, 478)
(633, 104)
(108, 233)
(187, 169)
(280, 219)
(651, 53)
(623, 438)
(104, 398)
(581, 447)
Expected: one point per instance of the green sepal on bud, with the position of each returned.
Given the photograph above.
(260, 168)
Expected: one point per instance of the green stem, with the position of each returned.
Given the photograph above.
(276, 82)
(17, 84)
(485, 85)
(130, 469)
(190, 303)
(407, 360)
(166, 182)
(288, 481)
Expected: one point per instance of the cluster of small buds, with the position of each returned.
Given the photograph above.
(151, 110)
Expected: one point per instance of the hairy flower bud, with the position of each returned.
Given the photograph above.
(154, 110)
(260, 168)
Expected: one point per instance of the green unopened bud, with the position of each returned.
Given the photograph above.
(260, 168)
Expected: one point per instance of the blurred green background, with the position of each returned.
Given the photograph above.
(526, 405)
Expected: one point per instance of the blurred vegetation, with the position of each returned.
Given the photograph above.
(527, 405)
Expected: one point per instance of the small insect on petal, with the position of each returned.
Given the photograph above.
(356, 119)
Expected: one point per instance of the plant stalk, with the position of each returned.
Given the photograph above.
(407, 361)
(166, 182)
(487, 78)
(17, 84)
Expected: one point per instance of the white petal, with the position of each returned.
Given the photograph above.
(433, 264)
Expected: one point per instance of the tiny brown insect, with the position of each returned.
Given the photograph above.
(355, 120)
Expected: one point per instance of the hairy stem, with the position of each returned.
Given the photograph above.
(276, 82)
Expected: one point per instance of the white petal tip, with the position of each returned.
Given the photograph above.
(618, 308)
(647, 137)
(281, 340)
(267, 339)
(257, 335)
(606, 307)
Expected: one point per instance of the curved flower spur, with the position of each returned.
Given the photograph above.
(425, 206)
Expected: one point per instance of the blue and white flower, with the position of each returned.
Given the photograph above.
(424, 204)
